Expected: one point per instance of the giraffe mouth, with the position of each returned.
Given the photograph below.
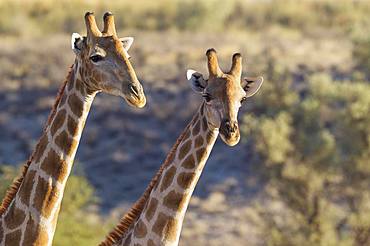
(228, 138)
(134, 96)
(135, 101)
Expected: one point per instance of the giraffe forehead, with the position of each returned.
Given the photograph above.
(110, 44)
(105, 45)
(225, 88)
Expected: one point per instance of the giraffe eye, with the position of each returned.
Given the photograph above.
(96, 58)
(243, 100)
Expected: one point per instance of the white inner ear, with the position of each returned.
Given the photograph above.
(190, 73)
(127, 42)
(254, 86)
(196, 80)
(75, 36)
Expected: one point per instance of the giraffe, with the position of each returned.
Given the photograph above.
(29, 211)
(156, 218)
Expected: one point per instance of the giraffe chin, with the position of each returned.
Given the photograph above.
(136, 102)
(230, 140)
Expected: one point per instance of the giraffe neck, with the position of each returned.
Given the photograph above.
(31, 216)
(161, 220)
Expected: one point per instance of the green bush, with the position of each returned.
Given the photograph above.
(314, 156)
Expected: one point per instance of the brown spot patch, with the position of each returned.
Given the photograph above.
(75, 104)
(63, 100)
(204, 124)
(65, 143)
(140, 229)
(152, 207)
(46, 197)
(58, 121)
(14, 217)
(165, 226)
(184, 179)
(80, 86)
(151, 243)
(41, 147)
(72, 126)
(196, 117)
(30, 232)
(167, 178)
(54, 166)
(184, 150)
(189, 162)
(24, 192)
(198, 141)
(173, 200)
(128, 240)
(196, 128)
(201, 153)
(186, 135)
(71, 82)
(13, 238)
(1, 231)
(159, 224)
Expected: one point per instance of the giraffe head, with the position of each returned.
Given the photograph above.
(103, 61)
(224, 93)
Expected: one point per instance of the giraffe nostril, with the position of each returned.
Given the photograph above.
(234, 128)
(231, 126)
(135, 90)
(227, 125)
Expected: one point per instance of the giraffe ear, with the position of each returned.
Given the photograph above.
(127, 42)
(251, 85)
(76, 42)
(198, 83)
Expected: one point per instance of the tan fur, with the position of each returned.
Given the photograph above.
(12, 191)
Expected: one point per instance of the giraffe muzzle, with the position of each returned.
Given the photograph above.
(229, 131)
(135, 90)
(136, 96)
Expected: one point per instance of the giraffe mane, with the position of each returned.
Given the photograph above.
(13, 189)
(133, 214)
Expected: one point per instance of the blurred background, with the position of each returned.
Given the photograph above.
(301, 173)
